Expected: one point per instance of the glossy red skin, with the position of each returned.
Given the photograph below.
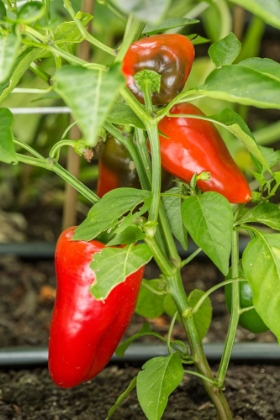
(170, 55)
(85, 332)
(116, 169)
(195, 146)
(107, 180)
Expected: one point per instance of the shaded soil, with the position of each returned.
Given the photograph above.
(26, 301)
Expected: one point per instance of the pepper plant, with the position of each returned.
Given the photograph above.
(137, 94)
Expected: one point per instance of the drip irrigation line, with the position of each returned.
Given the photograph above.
(45, 250)
(268, 353)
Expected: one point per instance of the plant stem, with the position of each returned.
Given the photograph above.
(87, 36)
(152, 130)
(132, 151)
(55, 150)
(215, 393)
(132, 32)
(191, 257)
(176, 289)
(53, 166)
(234, 312)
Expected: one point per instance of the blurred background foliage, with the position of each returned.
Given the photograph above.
(23, 188)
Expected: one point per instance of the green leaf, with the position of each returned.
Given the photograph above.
(69, 32)
(170, 307)
(225, 51)
(237, 126)
(208, 219)
(20, 65)
(108, 210)
(243, 85)
(7, 149)
(113, 265)
(167, 24)
(266, 213)
(158, 379)
(145, 330)
(204, 314)
(198, 40)
(3, 12)
(146, 11)
(271, 156)
(149, 303)
(261, 264)
(262, 65)
(172, 205)
(122, 397)
(90, 94)
(269, 11)
(9, 45)
(131, 234)
(122, 114)
(30, 12)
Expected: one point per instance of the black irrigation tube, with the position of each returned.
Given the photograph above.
(20, 357)
(31, 357)
(44, 250)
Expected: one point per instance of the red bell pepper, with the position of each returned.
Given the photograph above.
(116, 169)
(191, 146)
(85, 332)
(170, 55)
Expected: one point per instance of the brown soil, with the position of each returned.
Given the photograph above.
(26, 301)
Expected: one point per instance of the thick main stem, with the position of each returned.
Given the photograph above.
(176, 290)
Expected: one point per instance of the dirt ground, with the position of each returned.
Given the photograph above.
(26, 301)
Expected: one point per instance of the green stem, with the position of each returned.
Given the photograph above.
(136, 107)
(55, 150)
(191, 257)
(166, 267)
(148, 96)
(53, 166)
(213, 289)
(225, 18)
(141, 144)
(87, 36)
(152, 130)
(268, 135)
(28, 148)
(171, 326)
(215, 393)
(73, 59)
(234, 312)
(40, 73)
(191, 372)
(67, 56)
(132, 32)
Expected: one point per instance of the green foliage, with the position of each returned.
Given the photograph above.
(90, 94)
(268, 11)
(151, 12)
(261, 263)
(172, 203)
(158, 379)
(113, 265)
(254, 86)
(225, 51)
(150, 303)
(209, 221)
(7, 148)
(108, 210)
(46, 38)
